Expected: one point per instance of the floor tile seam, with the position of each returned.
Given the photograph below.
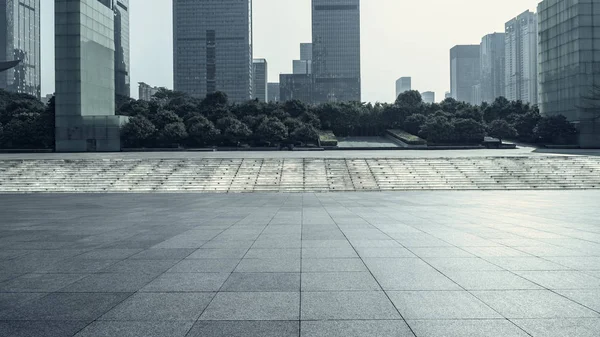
(371, 273)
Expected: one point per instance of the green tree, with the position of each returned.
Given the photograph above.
(233, 131)
(273, 131)
(138, 132)
(172, 134)
(525, 124)
(468, 130)
(414, 123)
(438, 130)
(555, 129)
(501, 129)
(202, 132)
(163, 118)
(306, 134)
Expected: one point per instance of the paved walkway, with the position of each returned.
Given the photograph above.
(345, 264)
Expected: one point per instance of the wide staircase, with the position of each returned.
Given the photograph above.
(299, 175)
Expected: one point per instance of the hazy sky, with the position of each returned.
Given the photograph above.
(399, 38)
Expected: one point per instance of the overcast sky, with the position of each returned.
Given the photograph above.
(399, 38)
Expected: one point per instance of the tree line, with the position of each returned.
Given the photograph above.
(175, 119)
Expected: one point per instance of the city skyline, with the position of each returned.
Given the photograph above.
(384, 56)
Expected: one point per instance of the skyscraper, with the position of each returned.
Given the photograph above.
(85, 76)
(336, 50)
(212, 47)
(403, 84)
(122, 65)
(303, 66)
(492, 67)
(273, 92)
(306, 51)
(464, 72)
(146, 91)
(569, 63)
(20, 40)
(428, 97)
(295, 86)
(260, 77)
(521, 58)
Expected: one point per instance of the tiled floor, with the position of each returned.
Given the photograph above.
(425, 264)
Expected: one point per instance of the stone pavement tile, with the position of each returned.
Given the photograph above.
(226, 244)
(186, 282)
(160, 307)
(283, 265)
(414, 240)
(108, 254)
(571, 327)
(152, 267)
(163, 254)
(40, 328)
(266, 253)
(562, 279)
(466, 328)
(440, 305)
(496, 251)
(136, 329)
(245, 329)
(525, 263)
(456, 264)
(211, 253)
(65, 307)
(361, 243)
(355, 329)
(333, 265)
(343, 243)
(533, 304)
(103, 283)
(39, 282)
(349, 305)
(408, 274)
(262, 282)
(490, 280)
(589, 298)
(550, 251)
(424, 252)
(77, 266)
(205, 266)
(277, 243)
(328, 253)
(339, 281)
(579, 262)
(384, 252)
(12, 300)
(253, 306)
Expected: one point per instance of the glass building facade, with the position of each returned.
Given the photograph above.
(212, 47)
(336, 50)
(428, 97)
(122, 64)
(295, 86)
(569, 62)
(521, 43)
(403, 84)
(20, 40)
(465, 68)
(85, 76)
(273, 92)
(260, 77)
(493, 59)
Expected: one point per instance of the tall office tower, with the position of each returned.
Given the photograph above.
(85, 76)
(428, 97)
(403, 84)
(303, 66)
(464, 72)
(122, 64)
(447, 94)
(492, 67)
(521, 58)
(306, 51)
(336, 50)
(295, 86)
(20, 40)
(260, 77)
(146, 91)
(273, 92)
(569, 63)
(212, 47)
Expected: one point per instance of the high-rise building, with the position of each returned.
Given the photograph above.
(521, 58)
(20, 40)
(273, 92)
(212, 47)
(336, 50)
(306, 51)
(303, 66)
(428, 97)
(292, 86)
(403, 84)
(122, 64)
(464, 72)
(447, 94)
(260, 77)
(146, 91)
(85, 76)
(492, 67)
(569, 63)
